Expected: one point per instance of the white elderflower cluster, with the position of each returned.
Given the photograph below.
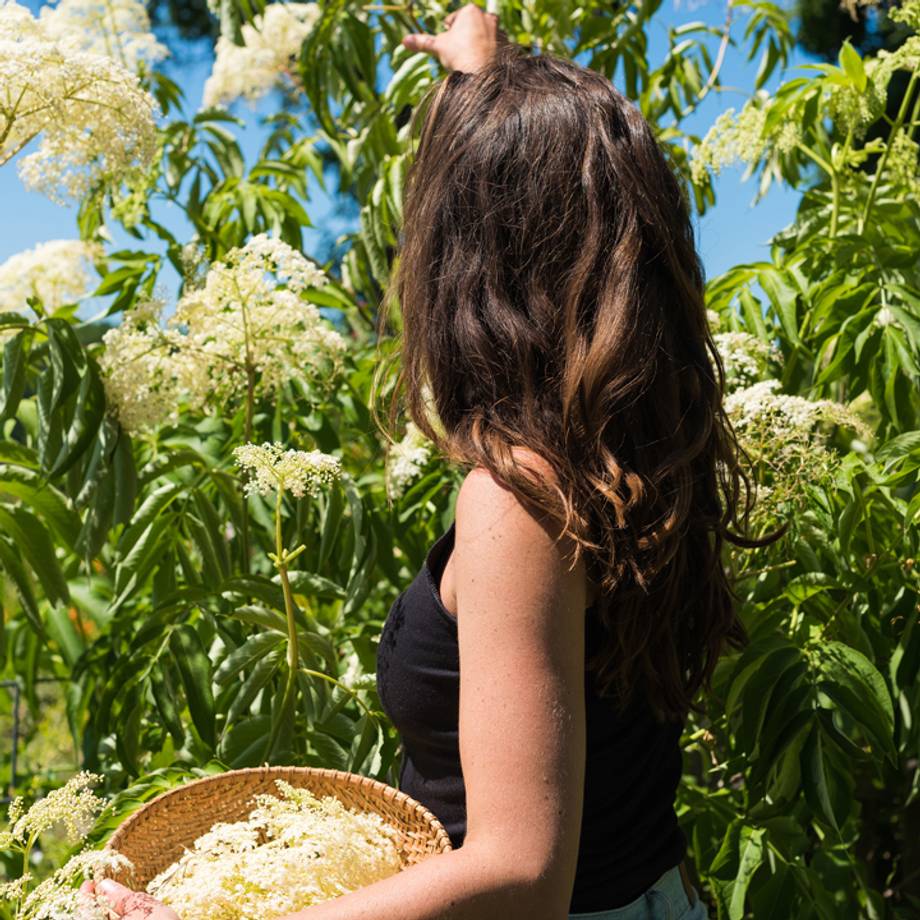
(246, 325)
(57, 898)
(272, 468)
(74, 806)
(57, 272)
(788, 417)
(270, 43)
(406, 459)
(243, 319)
(142, 369)
(93, 120)
(119, 29)
(746, 358)
(785, 438)
(292, 852)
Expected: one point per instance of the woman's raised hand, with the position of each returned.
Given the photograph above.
(468, 43)
(128, 904)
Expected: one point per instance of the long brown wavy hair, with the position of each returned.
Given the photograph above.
(552, 298)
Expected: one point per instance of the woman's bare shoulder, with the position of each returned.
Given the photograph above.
(491, 520)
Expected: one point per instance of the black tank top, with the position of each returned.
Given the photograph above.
(629, 830)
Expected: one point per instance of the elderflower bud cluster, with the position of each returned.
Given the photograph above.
(273, 468)
(742, 137)
(908, 11)
(270, 43)
(92, 118)
(292, 852)
(116, 28)
(904, 162)
(406, 460)
(853, 109)
(57, 272)
(247, 328)
(732, 137)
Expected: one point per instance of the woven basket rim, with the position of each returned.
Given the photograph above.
(442, 839)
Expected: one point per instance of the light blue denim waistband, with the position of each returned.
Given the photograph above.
(665, 899)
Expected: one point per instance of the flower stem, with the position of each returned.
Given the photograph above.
(26, 855)
(345, 687)
(293, 656)
(880, 168)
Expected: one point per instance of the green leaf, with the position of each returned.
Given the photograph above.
(125, 474)
(751, 855)
(244, 744)
(89, 414)
(262, 673)
(261, 616)
(851, 680)
(329, 752)
(816, 777)
(315, 586)
(195, 669)
(43, 498)
(783, 296)
(253, 650)
(15, 359)
(164, 691)
(756, 693)
(364, 740)
(37, 548)
(64, 634)
(11, 561)
(852, 64)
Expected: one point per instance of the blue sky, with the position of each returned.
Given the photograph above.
(730, 233)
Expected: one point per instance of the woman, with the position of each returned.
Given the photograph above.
(553, 310)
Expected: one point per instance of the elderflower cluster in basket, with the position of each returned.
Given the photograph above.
(93, 121)
(244, 333)
(270, 44)
(74, 807)
(292, 851)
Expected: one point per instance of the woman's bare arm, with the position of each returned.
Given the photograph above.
(521, 726)
(522, 730)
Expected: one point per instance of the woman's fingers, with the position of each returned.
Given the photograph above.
(468, 41)
(134, 905)
(420, 41)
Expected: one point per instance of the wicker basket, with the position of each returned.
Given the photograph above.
(155, 836)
